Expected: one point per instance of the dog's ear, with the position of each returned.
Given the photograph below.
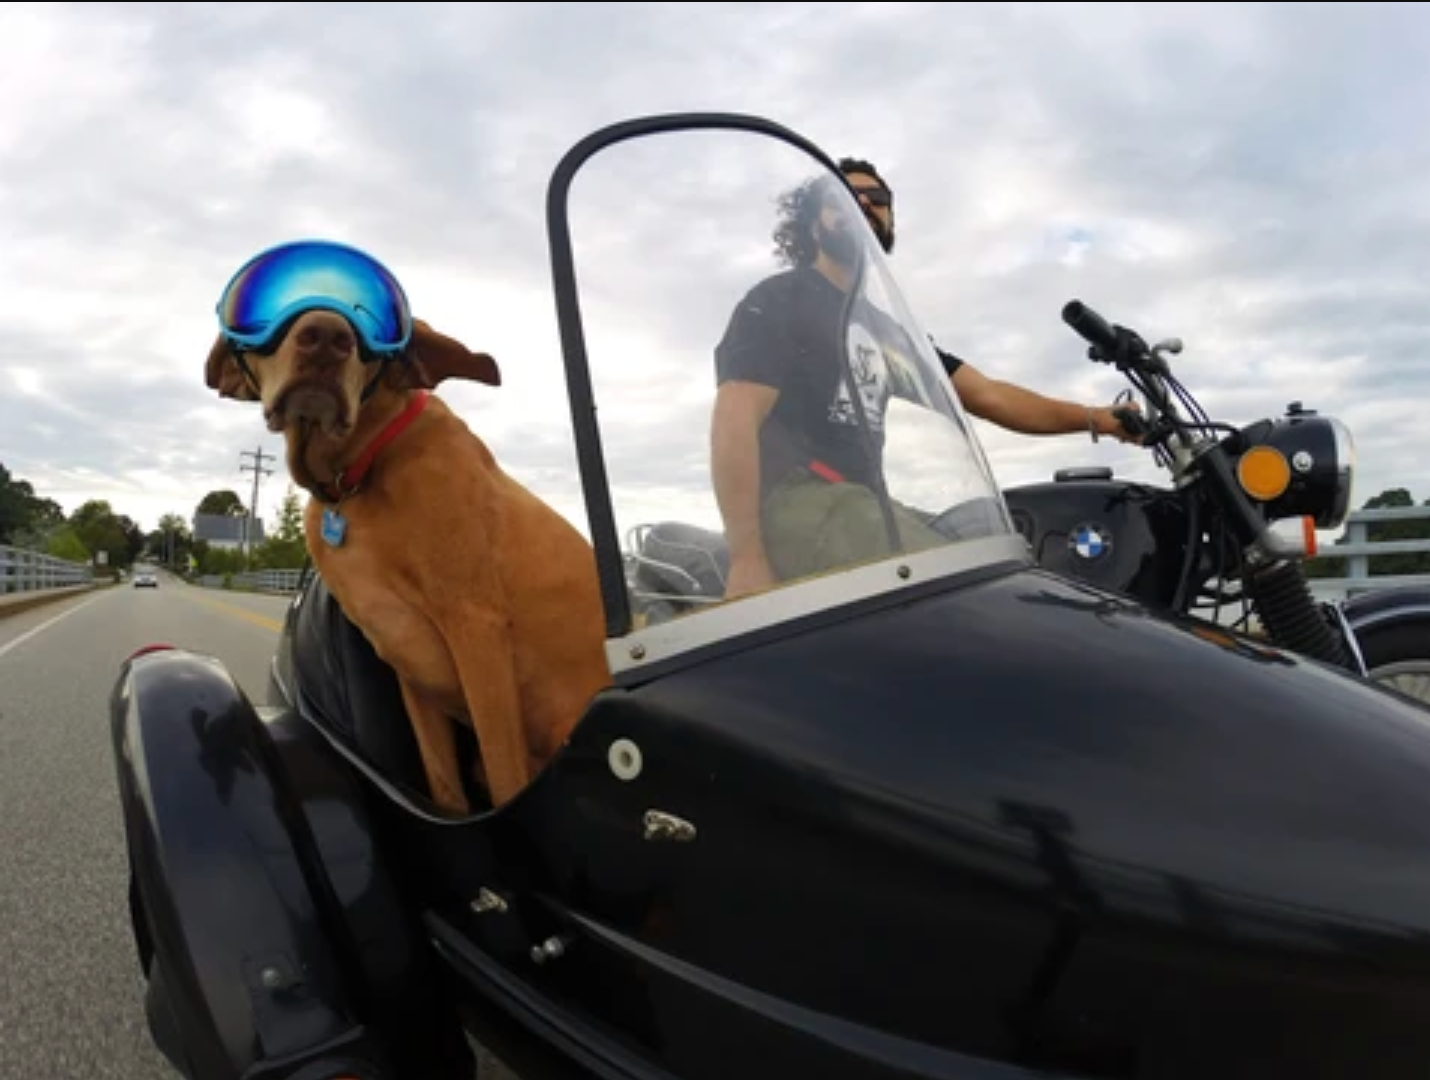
(432, 357)
(223, 374)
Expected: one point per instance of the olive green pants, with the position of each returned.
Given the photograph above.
(811, 526)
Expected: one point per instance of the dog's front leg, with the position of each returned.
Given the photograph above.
(481, 648)
(437, 745)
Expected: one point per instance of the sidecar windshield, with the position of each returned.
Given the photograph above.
(769, 430)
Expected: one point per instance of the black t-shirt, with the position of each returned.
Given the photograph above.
(788, 332)
(950, 362)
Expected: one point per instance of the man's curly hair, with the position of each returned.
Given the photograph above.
(794, 229)
(798, 208)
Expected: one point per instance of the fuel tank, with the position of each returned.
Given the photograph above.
(1114, 534)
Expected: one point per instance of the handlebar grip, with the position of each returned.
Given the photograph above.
(1132, 421)
(1093, 327)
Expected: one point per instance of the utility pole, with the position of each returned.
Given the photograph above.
(258, 470)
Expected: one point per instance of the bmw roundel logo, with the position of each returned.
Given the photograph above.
(1089, 542)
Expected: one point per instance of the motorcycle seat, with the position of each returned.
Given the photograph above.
(699, 555)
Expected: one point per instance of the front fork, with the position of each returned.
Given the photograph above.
(1297, 621)
(1274, 577)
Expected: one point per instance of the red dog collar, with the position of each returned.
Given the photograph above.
(347, 481)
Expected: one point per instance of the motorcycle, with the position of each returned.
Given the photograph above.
(1214, 543)
(1216, 539)
(935, 814)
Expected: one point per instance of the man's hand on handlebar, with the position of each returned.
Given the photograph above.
(1123, 421)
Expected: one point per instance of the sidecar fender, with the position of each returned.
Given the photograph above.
(1383, 608)
(265, 922)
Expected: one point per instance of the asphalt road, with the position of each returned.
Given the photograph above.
(71, 996)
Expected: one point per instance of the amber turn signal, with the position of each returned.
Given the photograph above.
(1264, 473)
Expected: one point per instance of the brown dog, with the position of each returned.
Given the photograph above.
(479, 595)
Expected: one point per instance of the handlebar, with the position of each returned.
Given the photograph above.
(1111, 344)
(1093, 327)
(1129, 353)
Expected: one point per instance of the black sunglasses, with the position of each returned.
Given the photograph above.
(877, 196)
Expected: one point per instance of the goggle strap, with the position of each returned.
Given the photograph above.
(240, 357)
(371, 387)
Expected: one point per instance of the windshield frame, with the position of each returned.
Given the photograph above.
(629, 647)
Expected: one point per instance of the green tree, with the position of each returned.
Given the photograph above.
(99, 528)
(220, 561)
(26, 519)
(172, 542)
(133, 539)
(224, 503)
(65, 544)
(286, 548)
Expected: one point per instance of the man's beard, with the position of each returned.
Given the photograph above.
(840, 244)
(885, 235)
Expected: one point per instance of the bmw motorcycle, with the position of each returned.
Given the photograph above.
(1229, 534)
(938, 815)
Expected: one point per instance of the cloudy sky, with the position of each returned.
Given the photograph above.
(1253, 178)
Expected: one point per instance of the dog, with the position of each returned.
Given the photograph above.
(483, 600)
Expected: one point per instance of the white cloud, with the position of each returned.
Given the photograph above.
(1247, 177)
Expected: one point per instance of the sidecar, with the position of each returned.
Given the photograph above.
(934, 814)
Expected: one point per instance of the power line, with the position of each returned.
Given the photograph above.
(258, 471)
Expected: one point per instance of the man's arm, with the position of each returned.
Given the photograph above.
(740, 411)
(1019, 409)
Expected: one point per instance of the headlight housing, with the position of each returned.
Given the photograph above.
(1319, 455)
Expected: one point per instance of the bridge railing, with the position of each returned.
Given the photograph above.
(267, 581)
(1358, 549)
(23, 571)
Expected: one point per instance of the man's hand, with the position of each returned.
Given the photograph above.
(749, 574)
(1105, 421)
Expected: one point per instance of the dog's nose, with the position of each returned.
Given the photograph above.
(323, 335)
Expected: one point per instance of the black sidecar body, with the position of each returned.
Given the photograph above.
(939, 814)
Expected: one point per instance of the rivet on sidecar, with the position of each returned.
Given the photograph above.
(488, 901)
(637, 652)
(660, 826)
(625, 759)
(905, 573)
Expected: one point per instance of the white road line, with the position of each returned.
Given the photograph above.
(28, 634)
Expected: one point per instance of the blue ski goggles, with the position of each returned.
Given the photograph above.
(276, 286)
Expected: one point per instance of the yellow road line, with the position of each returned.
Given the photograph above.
(242, 613)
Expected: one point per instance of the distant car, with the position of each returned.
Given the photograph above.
(146, 581)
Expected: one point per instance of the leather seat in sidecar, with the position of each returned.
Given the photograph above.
(344, 685)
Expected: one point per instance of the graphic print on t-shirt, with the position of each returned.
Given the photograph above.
(871, 376)
(880, 371)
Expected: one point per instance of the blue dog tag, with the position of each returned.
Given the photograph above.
(335, 527)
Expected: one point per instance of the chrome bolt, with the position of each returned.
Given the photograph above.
(553, 948)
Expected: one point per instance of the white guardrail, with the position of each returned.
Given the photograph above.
(1357, 550)
(269, 581)
(24, 571)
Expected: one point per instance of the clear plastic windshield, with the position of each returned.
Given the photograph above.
(772, 419)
